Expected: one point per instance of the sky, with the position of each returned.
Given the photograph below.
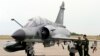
(80, 16)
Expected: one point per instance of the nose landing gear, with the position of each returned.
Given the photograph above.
(29, 49)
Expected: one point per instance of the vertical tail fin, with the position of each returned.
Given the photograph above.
(60, 16)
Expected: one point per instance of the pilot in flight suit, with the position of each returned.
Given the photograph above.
(86, 46)
(79, 46)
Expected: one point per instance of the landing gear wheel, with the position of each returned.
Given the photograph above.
(29, 50)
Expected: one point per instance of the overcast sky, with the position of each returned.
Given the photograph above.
(81, 16)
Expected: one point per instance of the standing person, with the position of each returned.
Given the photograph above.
(58, 43)
(94, 46)
(79, 46)
(86, 45)
(71, 48)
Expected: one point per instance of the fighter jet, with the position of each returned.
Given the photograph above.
(39, 30)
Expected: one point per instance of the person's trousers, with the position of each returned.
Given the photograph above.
(80, 52)
(86, 53)
(72, 54)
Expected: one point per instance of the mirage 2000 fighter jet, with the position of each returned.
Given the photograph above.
(39, 30)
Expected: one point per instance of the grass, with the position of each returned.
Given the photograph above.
(3, 37)
(90, 37)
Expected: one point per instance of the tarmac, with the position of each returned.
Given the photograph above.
(45, 51)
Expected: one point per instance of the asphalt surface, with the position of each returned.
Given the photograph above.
(48, 51)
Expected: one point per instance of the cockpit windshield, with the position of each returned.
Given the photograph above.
(33, 22)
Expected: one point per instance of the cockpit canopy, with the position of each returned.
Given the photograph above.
(33, 22)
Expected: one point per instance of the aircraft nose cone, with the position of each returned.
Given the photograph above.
(19, 35)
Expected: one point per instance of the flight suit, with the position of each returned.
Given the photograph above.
(79, 47)
(86, 47)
